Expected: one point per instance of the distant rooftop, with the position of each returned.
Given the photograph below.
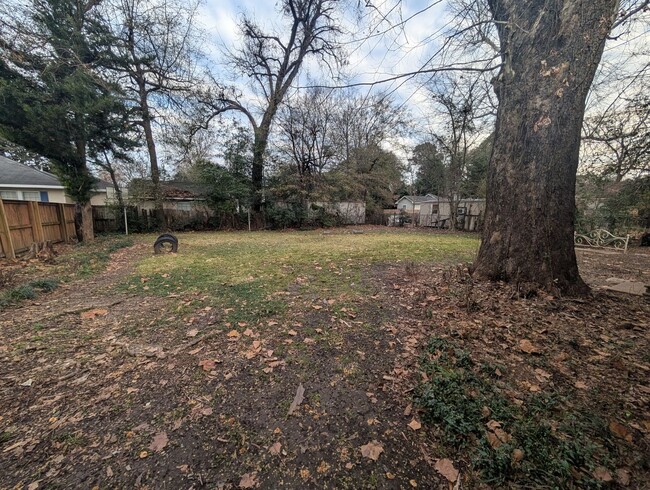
(14, 173)
(171, 189)
(420, 199)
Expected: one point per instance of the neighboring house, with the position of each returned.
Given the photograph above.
(437, 213)
(349, 212)
(177, 195)
(103, 194)
(411, 204)
(23, 183)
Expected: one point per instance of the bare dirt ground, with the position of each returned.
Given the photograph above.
(105, 388)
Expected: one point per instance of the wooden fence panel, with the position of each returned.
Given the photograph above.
(51, 221)
(6, 247)
(68, 213)
(20, 226)
(23, 223)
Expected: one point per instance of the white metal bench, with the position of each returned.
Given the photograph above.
(602, 239)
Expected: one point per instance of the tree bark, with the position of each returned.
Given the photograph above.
(259, 149)
(257, 174)
(550, 52)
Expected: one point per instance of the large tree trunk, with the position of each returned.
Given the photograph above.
(550, 52)
(257, 174)
(259, 149)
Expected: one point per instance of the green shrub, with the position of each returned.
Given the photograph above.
(16, 294)
(46, 285)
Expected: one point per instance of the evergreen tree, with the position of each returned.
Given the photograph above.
(475, 182)
(431, 171)
(55, 100)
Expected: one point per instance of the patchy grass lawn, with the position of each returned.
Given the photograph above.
(184, 370)
(249, 272)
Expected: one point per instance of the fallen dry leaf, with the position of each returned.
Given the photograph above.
(620, 431)
(623, 476)
(192, 333)
(581, 385)
(372, 450)
(292, 333)
(498, 437)
(208, 364)
(234, 334)
(517, 455)
(275, 449)
(601, 473)
(248, 480)
(390, 476)
(527, 346)
(415, 425)
(159, 442)
(323, 468)
(94, 313)
(297, 400)
(446, 468)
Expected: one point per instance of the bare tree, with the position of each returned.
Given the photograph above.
(305, 125)
(155, 47)
(460, 103)
(272, 61)
(617, 142)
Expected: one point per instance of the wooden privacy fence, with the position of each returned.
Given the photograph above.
(23, 223)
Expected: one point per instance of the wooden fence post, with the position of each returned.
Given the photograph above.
(5, 234)
(36, 222)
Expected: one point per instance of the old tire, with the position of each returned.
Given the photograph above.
(168, 235)
(166, 243)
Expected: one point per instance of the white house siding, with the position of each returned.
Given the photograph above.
(406, 205)
(351, 212)
(27, 194)
(474, 211)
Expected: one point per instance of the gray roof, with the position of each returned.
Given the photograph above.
(14, 173)
(419, 199)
